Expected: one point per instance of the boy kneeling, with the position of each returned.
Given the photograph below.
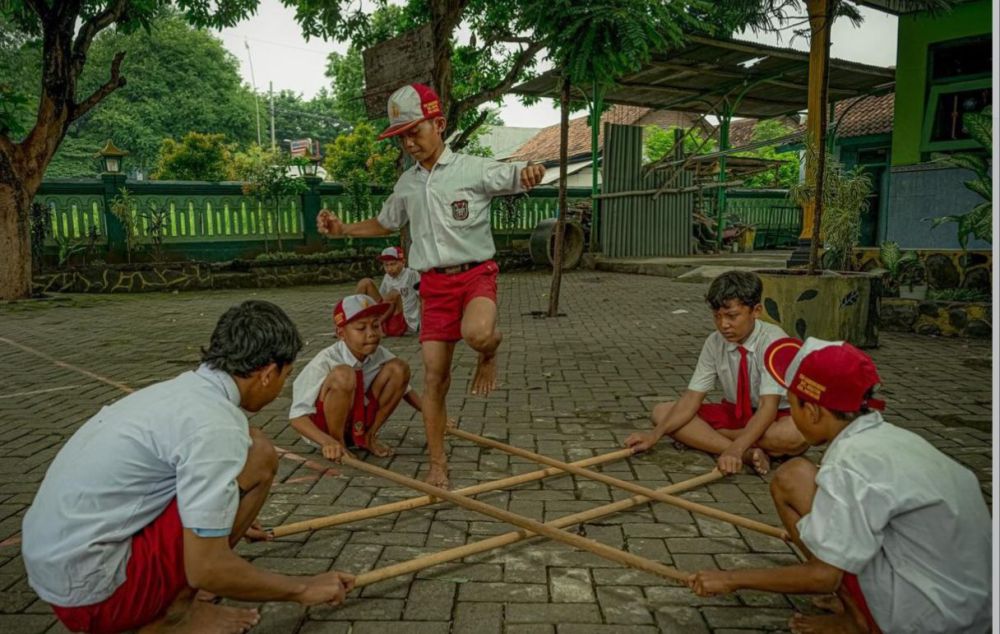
(345, 394)
(896, 528)
(751, 423)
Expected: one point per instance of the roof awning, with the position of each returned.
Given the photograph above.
(756, 80)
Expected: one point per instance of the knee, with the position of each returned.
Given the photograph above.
(341, 379)
(262, 460)
(479, 338)
(661, 412)
(790, 476)
(399, 370)
(783, 440)
(436, 381)
(364, 284)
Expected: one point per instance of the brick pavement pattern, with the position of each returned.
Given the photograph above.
(571, 388)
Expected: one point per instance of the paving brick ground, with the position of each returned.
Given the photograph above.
(572, 388)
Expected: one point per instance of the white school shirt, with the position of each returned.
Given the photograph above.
(910, 522)
(185, 438)
(720, 360)
(404, 283)
(448, 208)
(307, 384)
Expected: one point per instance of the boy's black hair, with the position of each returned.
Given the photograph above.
(742, 286)
(849, 417)
(250, 336)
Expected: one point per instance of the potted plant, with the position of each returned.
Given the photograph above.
(896, 263)
(835, 303)
(913, 280)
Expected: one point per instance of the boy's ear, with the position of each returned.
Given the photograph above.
(268, 373)
(757, 310)
(340, 332)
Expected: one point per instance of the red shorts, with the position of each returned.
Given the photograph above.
(395, 326)
(723, 415)
(852, 588)
(154, 576)
(362, 416)
(446, 296)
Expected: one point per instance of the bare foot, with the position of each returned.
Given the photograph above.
(438, 476)
(484, 380)
(377, 448)
(758, 460)
(830, 623)
(829, 603)
(205, 618)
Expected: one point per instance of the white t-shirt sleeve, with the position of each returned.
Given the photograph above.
(849, 514)
(207, 468)
(703, 379)
(393, 213)
(768, 386)
(501, 178)
(305, 389)
(414, 278)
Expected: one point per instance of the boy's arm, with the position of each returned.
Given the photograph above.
(811, 577)
(685, 409)
(767, 410)
(333, 449)
(330, 225)
(502, 179)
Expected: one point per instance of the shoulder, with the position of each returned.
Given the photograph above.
(713, 342)
(770, 332)
(382, 355)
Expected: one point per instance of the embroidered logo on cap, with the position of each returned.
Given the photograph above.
(393, 110)
(460, 209)
(809, 387)
(432, 107)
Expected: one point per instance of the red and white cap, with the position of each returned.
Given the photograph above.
(390, 254)
(833, 374)
(355, 307)
(410, 105)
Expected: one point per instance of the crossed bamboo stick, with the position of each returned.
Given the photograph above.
(528, 527)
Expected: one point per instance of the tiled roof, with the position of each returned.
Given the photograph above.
(871, 115)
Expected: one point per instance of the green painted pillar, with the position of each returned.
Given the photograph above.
(720, 199)
(311, 204)
(112, 185)
(596, 105)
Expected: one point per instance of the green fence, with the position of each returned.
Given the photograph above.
(215, 221)
(778, 220)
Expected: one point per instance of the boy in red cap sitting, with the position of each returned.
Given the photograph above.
(752, 421)
(345, 394)
(896, 528)
(399, 290)
(445, 197)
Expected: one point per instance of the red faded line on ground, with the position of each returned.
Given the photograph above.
(306, 462)
(11, 541)
(68, 366)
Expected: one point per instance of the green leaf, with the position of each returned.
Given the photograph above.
(982, 186)
(980, 127)
(965, 160)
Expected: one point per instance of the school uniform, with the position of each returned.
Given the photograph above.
(408, 321)
(739, 371)
(909, 527)
(103, 539)
(448, 211)
(306, 399)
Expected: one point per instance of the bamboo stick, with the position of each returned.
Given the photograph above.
(583, 543)
(506, 539)
(418, 502)
(632, 487)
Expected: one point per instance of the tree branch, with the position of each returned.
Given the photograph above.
(523, 58)
(92, 27)
(463, 138)
(38, 6)
(113, 84)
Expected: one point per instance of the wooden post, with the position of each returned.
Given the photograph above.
(595, 547)
(632, 487)
(418, 502)
(820, 23)
(557, 255)
(506, 539)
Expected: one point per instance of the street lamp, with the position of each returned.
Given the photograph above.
(111, 158)
(309, 165)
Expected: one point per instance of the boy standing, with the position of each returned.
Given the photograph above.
(346, 393)
(445, 197)
(896, 528)
(143, 505)
(751, 421)
(399, 290)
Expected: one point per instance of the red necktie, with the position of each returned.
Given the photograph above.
(358, 422)
(744, 404)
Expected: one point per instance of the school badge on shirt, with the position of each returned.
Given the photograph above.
(460, 209)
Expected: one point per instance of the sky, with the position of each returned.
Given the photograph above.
(281, 57)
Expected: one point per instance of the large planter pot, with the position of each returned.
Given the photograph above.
(829, 305)
(543, 241)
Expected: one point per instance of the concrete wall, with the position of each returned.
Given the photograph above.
(926, 191)
(916, 32)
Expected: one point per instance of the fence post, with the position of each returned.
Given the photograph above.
(311, 204)
(112, 183)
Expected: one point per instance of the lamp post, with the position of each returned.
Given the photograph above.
(111, 158)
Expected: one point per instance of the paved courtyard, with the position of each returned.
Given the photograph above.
(571, 388)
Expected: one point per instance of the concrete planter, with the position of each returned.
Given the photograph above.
(838, 306)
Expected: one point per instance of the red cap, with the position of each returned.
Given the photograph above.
(833, 374)
(354, 307)
(390, 254)
(410, 105)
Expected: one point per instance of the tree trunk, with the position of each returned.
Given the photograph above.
(15, 235)
(561, 219)
(820, 23)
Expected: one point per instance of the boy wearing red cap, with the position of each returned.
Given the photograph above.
(445, 198)
(752, 421)
(399, 289)
(344, 395)
(896, 528)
